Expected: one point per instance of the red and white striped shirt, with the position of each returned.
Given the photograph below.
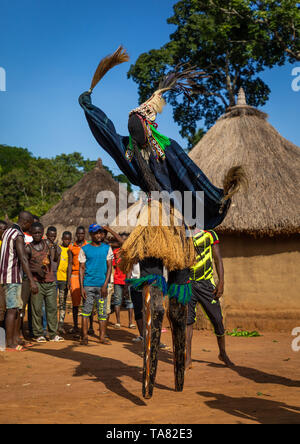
(10, 266)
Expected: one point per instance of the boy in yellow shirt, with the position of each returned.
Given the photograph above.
(62, 278)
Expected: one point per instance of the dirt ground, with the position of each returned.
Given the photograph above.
(70, 383)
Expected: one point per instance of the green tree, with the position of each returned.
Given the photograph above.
(194, 139)
(278, 24)
(13, 157)
(36, 184)
(233, 41)
(75, 161)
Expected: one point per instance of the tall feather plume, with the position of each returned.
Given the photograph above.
(107, 63)
(182, 80)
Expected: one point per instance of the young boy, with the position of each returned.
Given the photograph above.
(40, 255)
(205, 292)
(95, 261)
(62, 278)
(51, 235)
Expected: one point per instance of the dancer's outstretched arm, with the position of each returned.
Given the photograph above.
(105, 133)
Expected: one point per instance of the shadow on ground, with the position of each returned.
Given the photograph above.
(255, 375)
(259, 410)
(109, 371)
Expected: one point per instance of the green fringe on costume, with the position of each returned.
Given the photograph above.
(182, 293)
(152, 279)
(163, 142)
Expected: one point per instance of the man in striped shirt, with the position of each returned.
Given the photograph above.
(3, 226)
(13, 261)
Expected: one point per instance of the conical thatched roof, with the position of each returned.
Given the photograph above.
(242, 136)
(78, 205)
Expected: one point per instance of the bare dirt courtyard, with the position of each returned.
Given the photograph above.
(70, 383)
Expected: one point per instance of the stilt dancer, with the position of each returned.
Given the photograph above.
(155, 162)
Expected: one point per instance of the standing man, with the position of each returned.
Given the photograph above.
(3, 226)
(73, 274)
(95, 261)
(62, 278)
(206, 292)
(41, 255)
(13, 261)
(26, 296)
(51, 236)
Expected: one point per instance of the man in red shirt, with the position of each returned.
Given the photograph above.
(121, 289)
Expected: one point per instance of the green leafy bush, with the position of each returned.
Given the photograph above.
(243, 333)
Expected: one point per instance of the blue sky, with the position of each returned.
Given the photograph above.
(50, 50)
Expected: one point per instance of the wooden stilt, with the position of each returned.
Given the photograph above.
(153, 317)
(147, 341)
(177, 314)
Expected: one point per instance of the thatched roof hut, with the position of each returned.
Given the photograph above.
(243, 136)
(259, 238)
(78, 205)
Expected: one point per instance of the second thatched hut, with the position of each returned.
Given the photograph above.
(259, 238)
(79, 205)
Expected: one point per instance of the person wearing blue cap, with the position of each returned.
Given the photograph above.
(95, 265)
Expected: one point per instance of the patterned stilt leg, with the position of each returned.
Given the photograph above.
(147, 341)
(177, 315)
(153, 318)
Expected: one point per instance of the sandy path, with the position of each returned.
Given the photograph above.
(69, 383)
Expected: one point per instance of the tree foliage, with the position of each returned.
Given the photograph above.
(36, 184)
(233, 41)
